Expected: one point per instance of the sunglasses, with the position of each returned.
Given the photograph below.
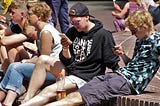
(134, 31)
(11, 12)
(77, 22)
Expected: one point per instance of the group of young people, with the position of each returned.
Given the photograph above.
(82, 55)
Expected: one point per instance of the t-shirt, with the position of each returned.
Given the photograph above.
(141, 69)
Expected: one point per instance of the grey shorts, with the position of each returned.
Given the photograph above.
(76, 80)
(103, 88)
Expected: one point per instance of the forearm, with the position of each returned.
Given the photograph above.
(125, 58)
(13, 39)
(66, 53)
(65, 57)
(31, 60)
(118, 9)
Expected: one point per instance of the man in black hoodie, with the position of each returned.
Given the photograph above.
(87, 52)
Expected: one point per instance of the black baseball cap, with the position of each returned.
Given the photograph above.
(79, 10)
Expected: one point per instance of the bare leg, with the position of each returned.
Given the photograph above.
(13, 55)
(2, 95)
(43, 65)
(10, 98)
(4, 58)
(48, 94)
(73, 99)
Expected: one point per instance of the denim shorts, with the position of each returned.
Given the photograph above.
(102, 88)
(16, 73)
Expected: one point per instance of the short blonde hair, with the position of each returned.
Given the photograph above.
(41, 9)
(140, 19)
(18, 4)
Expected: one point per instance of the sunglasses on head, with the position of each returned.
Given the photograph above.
(77, 22)
(134, 31)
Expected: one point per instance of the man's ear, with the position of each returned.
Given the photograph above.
(23, 14)
(87, 18)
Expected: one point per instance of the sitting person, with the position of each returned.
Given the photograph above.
(48, 43)
(13, 36)
(131, 79)
(129, 7)
(86, 52)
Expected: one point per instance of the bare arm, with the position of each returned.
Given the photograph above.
(118, 50)
(31, 60)
(122, 13)
(117, 7)
(65, 41)
(4, 31)
(46, 43)
(12, 39)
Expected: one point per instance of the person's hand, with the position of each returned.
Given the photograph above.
(65, 41)
(117, 7)
(2, 27)
(2, 33)
(118, 50)
(3, 19)
(24, 61)
(30, 46)
(113, 13)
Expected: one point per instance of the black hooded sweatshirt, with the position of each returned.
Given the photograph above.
(91, 52)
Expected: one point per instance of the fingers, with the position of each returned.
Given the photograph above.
(118, 50)
(65, 41)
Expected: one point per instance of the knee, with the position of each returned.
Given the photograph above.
(14, 65)
(43, 59)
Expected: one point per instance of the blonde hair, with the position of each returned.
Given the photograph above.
(18, 4)
(140, 19)
(41, 9)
